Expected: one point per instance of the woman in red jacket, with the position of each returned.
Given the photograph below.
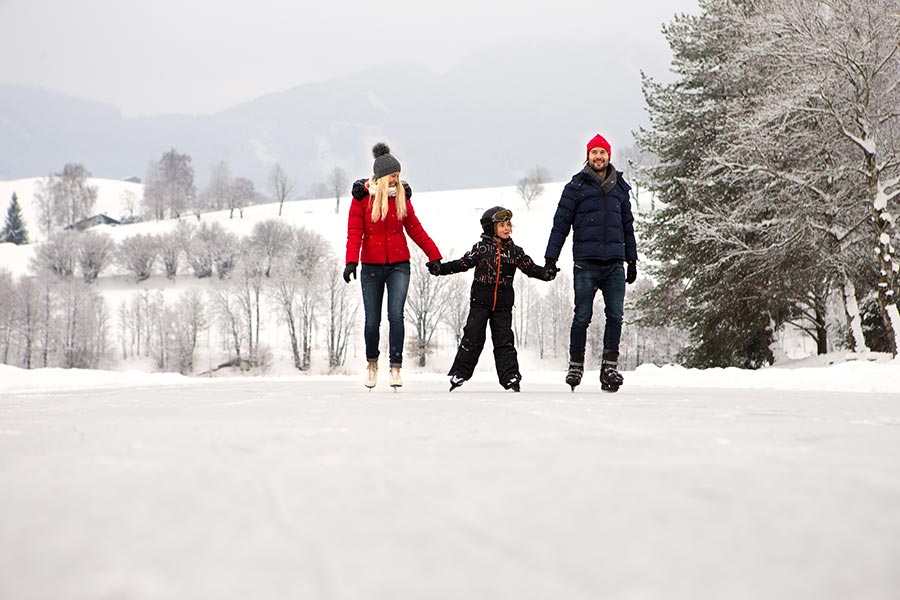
(376, 227)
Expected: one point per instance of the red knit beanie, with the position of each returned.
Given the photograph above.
(598, 141)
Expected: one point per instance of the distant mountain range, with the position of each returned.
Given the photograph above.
(483, 123)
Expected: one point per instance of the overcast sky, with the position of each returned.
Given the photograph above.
(202, 56)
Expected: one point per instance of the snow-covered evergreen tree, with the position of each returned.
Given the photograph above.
(726, 311)
(14, 231)
(765, 172)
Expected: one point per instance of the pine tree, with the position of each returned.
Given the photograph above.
(722, 298)
(14, 231)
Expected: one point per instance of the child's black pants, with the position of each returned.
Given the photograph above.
(472, 343)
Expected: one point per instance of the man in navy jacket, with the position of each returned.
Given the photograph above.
(595, 206)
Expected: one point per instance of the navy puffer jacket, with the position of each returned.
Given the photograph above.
(602, 220)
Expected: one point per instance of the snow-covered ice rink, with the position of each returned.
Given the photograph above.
(315, 488)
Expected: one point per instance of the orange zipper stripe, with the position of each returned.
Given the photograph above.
(496, 279)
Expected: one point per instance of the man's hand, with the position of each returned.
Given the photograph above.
(631, 273)
(349, 270)
(550, 263)
(550, 273)
(434, 267)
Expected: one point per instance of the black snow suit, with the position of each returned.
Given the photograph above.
(491, 300)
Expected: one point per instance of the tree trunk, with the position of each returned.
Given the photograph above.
(853, 317)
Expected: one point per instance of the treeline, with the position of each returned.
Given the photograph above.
(59, 318)
(778, 149)
(281, 280)
(64, 198)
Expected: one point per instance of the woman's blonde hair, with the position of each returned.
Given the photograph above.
(378, 196)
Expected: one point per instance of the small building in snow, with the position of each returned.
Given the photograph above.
(89, 222)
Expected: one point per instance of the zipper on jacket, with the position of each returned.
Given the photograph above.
(496, 279)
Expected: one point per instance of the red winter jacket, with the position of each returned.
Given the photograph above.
(384, 242)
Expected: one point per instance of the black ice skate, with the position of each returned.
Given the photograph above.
(610, 378)
(456, 381)
(575, 373)
(513, 384)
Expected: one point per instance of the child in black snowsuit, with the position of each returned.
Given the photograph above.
(495, 259)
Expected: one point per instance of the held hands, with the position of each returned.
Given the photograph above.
(434, 267)
(631, 272)
(550, 269)
(349, 270)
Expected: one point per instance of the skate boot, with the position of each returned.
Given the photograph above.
(610, 378)
(514, 384)
(576, 370)
(371, 374)
(396, 382)
(456, 381)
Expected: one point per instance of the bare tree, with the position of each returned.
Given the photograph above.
(9, 314)
(128, 201)
(74, 196)
(531, 186)
(280, 185)
(634, 163)
(176, 178)
(298, 289)
(249, 278)
(243, 194)
(153, 202)
(29, 303)
(219, 191)
(427, 302)
(82, 326)
(46, 205)
(338, 181)
(341, 317)
(526, 298)
(270, 239)
(457, 309)
(226, 305)
(212, 248)
(58, 255)
(171, 247)
(95, 253)
(64, 198)
(182, 325)
(137, 254)
(557, 313)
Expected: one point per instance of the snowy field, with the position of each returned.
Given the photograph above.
(685, 484)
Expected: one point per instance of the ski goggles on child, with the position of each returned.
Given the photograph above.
(502, 215)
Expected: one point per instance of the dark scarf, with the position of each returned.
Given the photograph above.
(608, 182)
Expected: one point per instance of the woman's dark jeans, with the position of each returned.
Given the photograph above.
(375, 279)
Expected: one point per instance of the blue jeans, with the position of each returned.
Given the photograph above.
(610, 280)
(374, 280)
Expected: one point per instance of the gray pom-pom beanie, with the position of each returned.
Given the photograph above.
(385, 163)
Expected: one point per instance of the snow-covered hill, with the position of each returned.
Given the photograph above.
(450, 217)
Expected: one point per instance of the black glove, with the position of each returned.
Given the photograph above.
(349, 270)
(434, 267)
(550, 264)
(631, 273)
(407, 189)
(550, 272)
